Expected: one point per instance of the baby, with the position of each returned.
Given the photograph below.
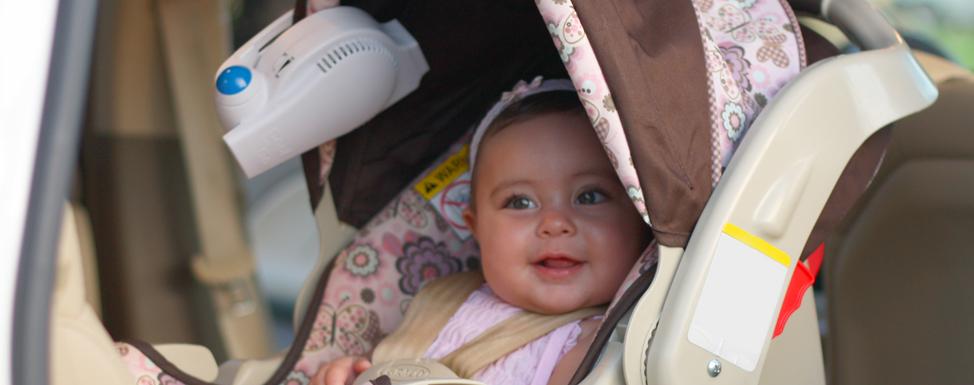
(556, 229)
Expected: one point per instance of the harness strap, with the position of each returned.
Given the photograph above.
(507, 336)
(436, 303)
(429, 312)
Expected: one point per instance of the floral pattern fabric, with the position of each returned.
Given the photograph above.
(579, 59)
(752, 49)
(376, 276)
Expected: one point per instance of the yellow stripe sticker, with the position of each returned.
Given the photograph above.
(433, 183)
(758, 244)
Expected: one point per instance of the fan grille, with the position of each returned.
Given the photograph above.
(351, 47)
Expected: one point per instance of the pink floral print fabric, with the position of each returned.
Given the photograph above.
(583, 68)
(752, 49)
(376, 276)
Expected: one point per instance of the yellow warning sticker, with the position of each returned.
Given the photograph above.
(433, 183)
(758, 244)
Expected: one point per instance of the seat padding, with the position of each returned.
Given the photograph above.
(82, 352)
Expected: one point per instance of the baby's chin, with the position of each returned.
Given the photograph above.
(554, 304)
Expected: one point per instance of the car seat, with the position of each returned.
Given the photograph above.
(774, 190)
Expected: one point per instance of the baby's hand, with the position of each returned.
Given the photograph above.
(341, 371)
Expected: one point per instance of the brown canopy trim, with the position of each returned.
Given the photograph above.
(652, 57)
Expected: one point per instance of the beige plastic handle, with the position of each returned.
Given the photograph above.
(414, 371)
(814, 125)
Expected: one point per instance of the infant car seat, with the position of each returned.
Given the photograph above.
(710, 311)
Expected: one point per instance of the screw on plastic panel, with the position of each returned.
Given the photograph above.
(713, 367)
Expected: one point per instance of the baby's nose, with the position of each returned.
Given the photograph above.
(555, 223)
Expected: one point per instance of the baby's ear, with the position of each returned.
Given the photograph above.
(470, 217)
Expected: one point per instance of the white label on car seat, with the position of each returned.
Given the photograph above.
(736, 309)
(451, 201)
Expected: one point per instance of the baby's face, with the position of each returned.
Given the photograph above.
(557, 230)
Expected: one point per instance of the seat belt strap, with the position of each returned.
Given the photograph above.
(436, 303)
(428, 313)
(194, 36)
(509, 335)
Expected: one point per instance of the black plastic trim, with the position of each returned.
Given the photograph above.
(57, 150)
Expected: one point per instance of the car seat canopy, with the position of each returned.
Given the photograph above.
(686, 79)
(670, 87)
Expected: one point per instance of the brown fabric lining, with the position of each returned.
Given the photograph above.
(626, 302)
(300, 10)
(652, 57)
(311, 164)
(310, 160)
(377, 161)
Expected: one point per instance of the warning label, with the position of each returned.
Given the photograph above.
(450, 202)
(437, 180)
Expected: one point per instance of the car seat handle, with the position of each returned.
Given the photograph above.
(862, 23)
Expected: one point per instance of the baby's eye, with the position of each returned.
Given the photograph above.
(520, 203)
(590, 198)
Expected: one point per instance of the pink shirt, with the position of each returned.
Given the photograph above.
(532, 364)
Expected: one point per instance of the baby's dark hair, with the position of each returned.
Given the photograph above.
(530, 107)
(533, 106)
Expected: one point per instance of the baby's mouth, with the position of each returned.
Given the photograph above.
(558, 262)
(558, 266)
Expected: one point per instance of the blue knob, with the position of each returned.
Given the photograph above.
(233, 80)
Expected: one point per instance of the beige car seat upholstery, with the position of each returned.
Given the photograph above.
(82, 352)
(898, 271)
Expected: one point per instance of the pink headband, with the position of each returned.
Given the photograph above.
(520, 91)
